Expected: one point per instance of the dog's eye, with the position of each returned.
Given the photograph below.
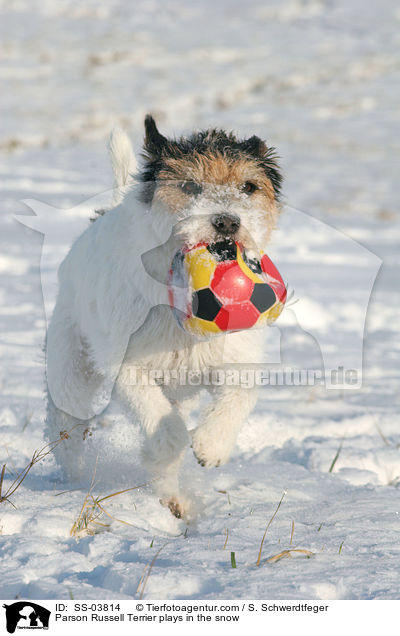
(249, 187)
(191, 188)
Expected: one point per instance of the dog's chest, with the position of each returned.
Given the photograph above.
(161, 344)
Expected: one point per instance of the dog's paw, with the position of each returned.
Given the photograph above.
(208, 450)
(182, 508)
(176, 508)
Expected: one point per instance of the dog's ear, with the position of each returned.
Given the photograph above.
(255, 146)
(266, 158)
(154, 141)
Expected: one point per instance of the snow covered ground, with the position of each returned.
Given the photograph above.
(318, 80)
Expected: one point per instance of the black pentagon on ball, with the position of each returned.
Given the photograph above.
(204, 304)
(263, 297)
(252, 263)
(225, 250)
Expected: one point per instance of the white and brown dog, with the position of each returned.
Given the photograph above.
(112, 312)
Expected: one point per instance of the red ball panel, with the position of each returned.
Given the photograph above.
(230, 283)
(242, 315)
(269, 268)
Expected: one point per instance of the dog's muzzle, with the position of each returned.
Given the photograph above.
(226, 224)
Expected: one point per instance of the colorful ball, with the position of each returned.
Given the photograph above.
(215, 288)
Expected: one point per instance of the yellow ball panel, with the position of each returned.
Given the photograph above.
(246, 269)
(275, 311)
(200, 327)
(200, 266)
(271, 314)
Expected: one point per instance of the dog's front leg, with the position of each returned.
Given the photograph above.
(166, 438)
(213, 440)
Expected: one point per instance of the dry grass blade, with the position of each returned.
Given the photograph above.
(142, 577)
(121, 492)
(332, 466)
(87, 518)
(87, 514)
(3, 470)
(37, 456)
(28, 418)
(225, 492)
(226, 540)
(111, 516)
(98, 501)
(147, 571)
(292, 533)
(288, 553)
(92, 509)
(384, 438)
(268, 525)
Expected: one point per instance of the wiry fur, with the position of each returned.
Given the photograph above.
(112, 311)
(157, 148)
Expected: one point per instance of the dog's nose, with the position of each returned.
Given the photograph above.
(226, 224)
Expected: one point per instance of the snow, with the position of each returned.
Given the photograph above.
(318, 80)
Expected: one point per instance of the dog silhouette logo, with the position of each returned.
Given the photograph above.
(26, 615)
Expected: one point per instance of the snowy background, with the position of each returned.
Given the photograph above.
(318, 80)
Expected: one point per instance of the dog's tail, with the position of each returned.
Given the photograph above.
(124, 166)
(123, 162)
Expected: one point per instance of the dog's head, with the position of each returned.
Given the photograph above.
(211, 185)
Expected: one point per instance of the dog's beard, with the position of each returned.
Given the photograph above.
(190, 231)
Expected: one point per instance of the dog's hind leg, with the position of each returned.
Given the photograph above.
(69, 452)
(72, 384)
(166, 439)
